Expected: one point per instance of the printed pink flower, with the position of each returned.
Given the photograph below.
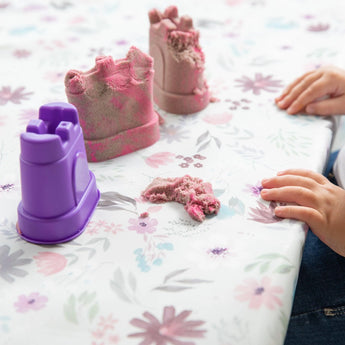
(50, 263)
(16, 96)
(21, 53)
(218, 119)
(233, 2)
(170, 330)
(318, 27)
(259, 293)
(28, 114)
(143, 225)
(94, 227)
(105, 331)
(258, 84)
(153, 209)
(160, 158)
(34, 301)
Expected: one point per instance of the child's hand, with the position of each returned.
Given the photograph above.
(320, 92)
(320, 203)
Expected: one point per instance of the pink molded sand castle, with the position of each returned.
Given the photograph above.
(115, 105)
(196, 195)
(179, 86)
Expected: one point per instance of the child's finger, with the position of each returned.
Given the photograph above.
(304, 172)
(289, 180)
(292, 85)
(331, 106)
(291, 194)
(307, 215)
(317, 89)
(298, 90)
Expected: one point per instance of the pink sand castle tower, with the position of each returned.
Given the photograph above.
(115, 105)
(179, 85)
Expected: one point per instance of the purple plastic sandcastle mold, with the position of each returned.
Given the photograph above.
(59, 192)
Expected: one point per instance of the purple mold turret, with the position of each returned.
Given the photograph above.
(59, 192)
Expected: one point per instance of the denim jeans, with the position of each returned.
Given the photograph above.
(318, 312)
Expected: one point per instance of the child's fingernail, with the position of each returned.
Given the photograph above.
(278, 210)
(281, 103)
(291, 110)
(309, 109)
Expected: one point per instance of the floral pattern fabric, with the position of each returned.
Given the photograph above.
(147, 274)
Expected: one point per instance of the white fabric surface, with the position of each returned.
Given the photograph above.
(231, 279)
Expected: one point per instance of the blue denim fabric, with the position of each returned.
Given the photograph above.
(318, 313)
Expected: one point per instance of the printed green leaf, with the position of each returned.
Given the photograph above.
(251, 266)
(271, 256)
(172, 288)
(93, 311)
(264, 267)
(193, 281)
(202, 137)
(132, 281)
(120, 292)
(92, 251)
(70, 310)
(106, 244)
(284, 269)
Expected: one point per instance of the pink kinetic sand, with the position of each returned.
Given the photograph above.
(179, 86)
(196, 195)
(115, 105)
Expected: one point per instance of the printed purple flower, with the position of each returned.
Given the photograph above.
(258, 84)
(6, 187)
(198, 165)
(308, 16)
(264, 214)
(16, 96)
(121, 42)
(254, 189)
(173, 133)
(143, 225)
(34, 301)
(170, 331)
(9, 264)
